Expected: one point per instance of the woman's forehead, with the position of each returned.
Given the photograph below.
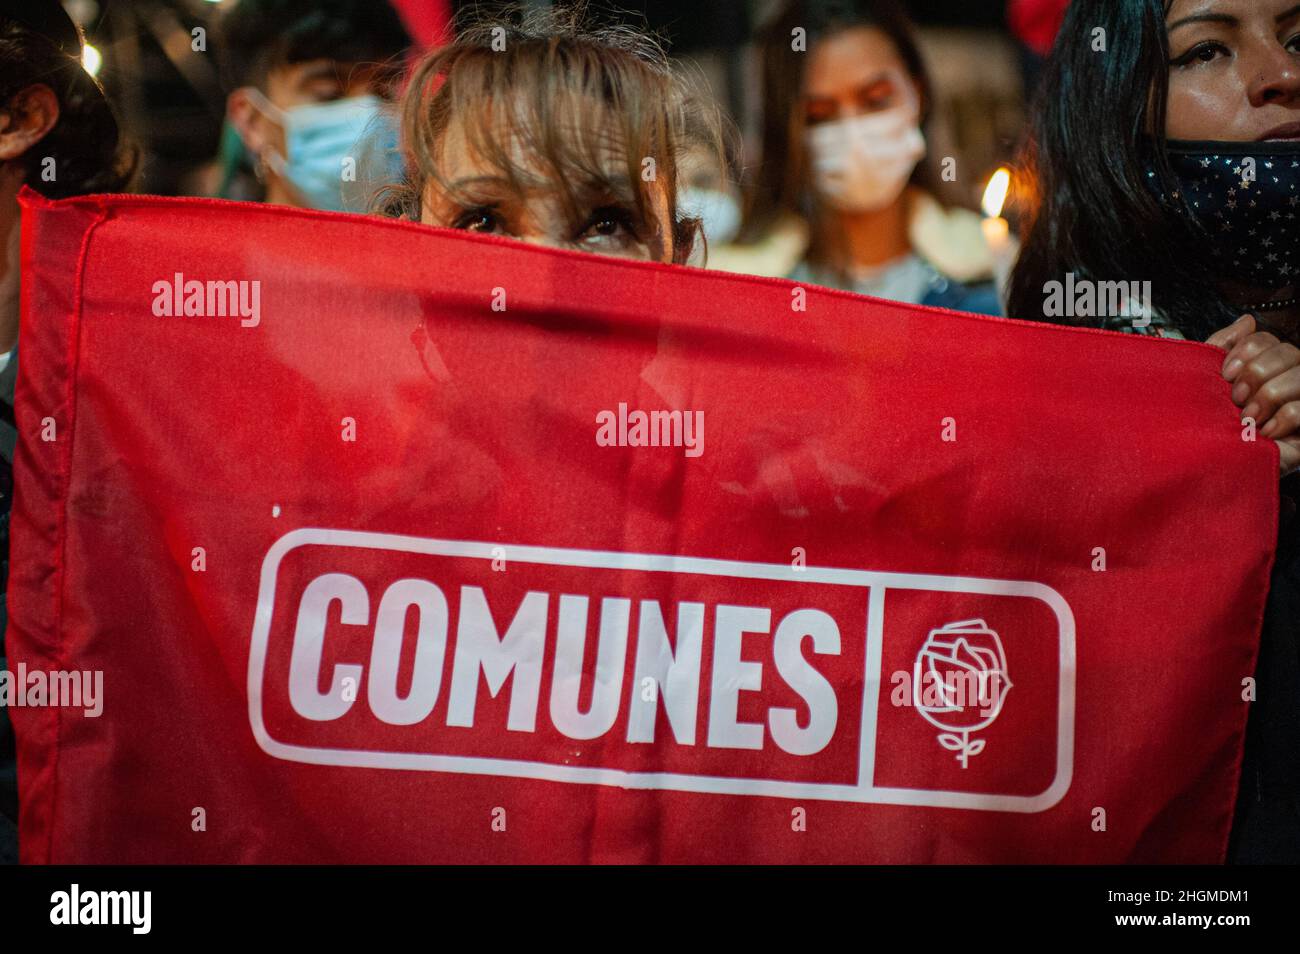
(495, 144)
(851, 58)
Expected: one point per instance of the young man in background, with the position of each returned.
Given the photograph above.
(310, 86)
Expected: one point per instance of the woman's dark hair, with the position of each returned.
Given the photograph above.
(86, 145)
(781, 184)
(1097, 129)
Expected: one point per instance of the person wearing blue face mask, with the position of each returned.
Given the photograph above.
(310, 85)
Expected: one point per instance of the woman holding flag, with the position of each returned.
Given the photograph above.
(1167, 133)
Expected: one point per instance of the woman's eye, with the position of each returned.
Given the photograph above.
(608, 221)
(818, 111)
(1293, 44)
(1201, 53)
(877, 96)
(477, 220)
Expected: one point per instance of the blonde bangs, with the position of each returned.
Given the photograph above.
(548, 103)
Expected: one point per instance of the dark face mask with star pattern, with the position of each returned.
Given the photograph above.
(1246, 198)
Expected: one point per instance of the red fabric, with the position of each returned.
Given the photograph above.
(428, 21)
(1036, 22)
(476, 428)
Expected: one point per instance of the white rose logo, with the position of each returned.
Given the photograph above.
(960, 682)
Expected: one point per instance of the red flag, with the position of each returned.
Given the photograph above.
(400, 544)
(1036, 22)
(428, 21)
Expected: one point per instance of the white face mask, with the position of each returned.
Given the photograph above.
(862, 164)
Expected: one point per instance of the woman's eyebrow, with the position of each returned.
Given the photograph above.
(1209, 18)
(884, 76)
(612, 183)
(475, 180)
(1225, 18)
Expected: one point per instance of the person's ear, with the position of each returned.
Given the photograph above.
(26, 120)
(247, 120)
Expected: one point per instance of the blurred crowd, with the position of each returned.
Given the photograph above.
(805, 140)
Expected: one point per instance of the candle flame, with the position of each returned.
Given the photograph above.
(995, 194)
(91, 60)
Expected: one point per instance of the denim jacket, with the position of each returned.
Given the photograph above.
(980, 297)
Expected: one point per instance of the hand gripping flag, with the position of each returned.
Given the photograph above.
(394, 544)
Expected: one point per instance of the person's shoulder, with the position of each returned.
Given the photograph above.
(776, 254)
(979, 298)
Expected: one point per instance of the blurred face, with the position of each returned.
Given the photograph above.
(289, 86)
(1234, 71)
(852, 73)
(320, 81)
(606, 221)
(315, 81)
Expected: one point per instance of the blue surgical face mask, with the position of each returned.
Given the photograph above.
(321, 137)
(718, 211)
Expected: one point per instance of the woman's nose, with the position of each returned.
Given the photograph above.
(1276, 76)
